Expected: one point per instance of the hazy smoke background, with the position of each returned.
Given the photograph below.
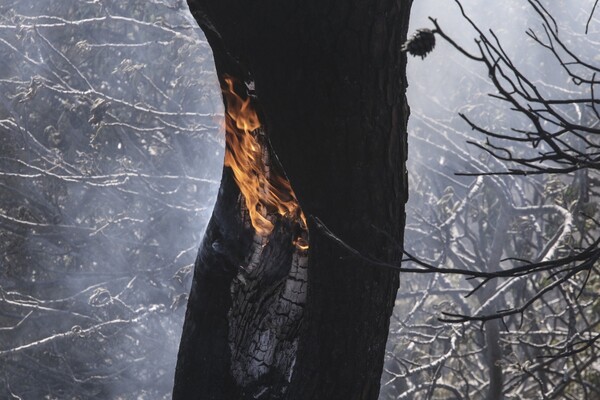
(110, 158)
(462, 222)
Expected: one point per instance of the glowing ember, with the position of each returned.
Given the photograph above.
(263, 191)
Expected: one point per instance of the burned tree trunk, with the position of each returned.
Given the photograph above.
(268, 316)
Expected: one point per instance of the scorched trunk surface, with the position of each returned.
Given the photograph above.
(329, 81)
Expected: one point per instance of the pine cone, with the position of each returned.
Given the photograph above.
(421, 43)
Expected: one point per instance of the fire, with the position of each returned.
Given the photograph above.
(263, 191)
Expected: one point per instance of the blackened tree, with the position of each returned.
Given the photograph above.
(268, 317)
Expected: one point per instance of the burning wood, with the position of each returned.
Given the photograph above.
(265, 192)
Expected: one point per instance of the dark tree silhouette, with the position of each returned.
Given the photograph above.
(266, 318)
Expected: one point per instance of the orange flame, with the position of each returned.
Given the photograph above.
(263, 191)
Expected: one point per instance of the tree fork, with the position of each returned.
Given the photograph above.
(330, 81)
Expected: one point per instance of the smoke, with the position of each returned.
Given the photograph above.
(111, 144)
(464, 222)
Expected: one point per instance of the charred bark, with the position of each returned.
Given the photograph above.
(265, 320)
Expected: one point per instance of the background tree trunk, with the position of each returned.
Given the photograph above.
(330, 82)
